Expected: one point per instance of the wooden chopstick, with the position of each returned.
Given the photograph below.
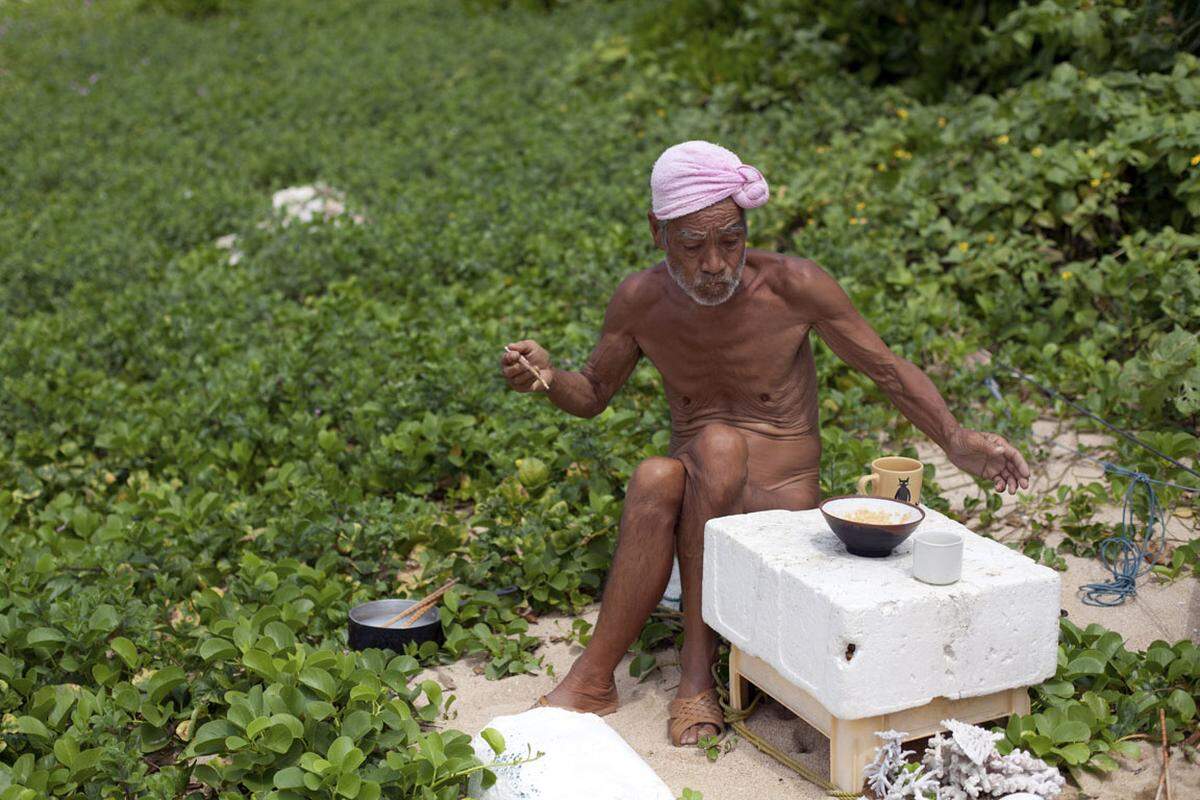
(525, 363)
(422, 605)
(418, 609)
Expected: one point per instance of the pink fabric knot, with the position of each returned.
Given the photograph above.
(754, 190)
(695, 174)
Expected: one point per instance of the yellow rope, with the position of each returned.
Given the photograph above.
(736, 719)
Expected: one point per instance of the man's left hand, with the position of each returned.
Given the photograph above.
(989, 456)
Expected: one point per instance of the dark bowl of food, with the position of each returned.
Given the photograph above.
(871, 526)
(367, 627)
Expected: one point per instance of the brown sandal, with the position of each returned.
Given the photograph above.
(542, 701)
(688, 711)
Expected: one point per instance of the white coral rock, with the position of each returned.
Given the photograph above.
(306, 203)
(975, 742)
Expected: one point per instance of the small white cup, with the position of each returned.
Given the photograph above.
(937, 556)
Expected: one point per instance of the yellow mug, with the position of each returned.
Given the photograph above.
(896, 477)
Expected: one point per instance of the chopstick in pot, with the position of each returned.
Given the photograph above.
(418, 609)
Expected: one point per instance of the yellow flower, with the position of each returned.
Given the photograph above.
(900, 152)
(860, 206)
(1106, 175)
(882, 167)
(1036, 152)
(1066, 274)
(1196, 159)
(822, 148)
(1095, 182)
(941, 122)
(991, 238)
(1002, 139)
(1091, 152)
(963, 246)
(902, 113)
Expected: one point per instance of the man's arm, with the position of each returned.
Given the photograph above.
(587, 392)
(854, 341)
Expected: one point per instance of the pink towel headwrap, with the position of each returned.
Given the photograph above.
(691, 175)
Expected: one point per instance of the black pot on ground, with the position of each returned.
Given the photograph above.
(366, 626)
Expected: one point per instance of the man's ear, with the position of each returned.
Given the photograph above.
(658, 242)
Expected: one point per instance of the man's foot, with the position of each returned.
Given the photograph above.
(696, 677)
(600, 698)
(701, 709)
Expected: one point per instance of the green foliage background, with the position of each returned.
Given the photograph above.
(203, 466)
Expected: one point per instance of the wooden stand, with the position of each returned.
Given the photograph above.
(852, 742)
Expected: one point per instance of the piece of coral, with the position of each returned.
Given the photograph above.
(962, 766)
(967, 766)
(891, 778)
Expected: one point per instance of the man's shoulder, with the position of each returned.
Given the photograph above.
(635, 293)
(641, 288)
(798, 272)
(807, 286)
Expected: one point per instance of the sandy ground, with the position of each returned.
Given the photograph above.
(1160, 611)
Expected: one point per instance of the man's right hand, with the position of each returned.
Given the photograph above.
(520, 377)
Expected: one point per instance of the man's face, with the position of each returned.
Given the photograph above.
(706, 252)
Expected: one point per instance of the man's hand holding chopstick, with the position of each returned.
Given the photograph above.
(526, 366)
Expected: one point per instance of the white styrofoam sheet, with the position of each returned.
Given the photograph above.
(781, 586)
(584, 759)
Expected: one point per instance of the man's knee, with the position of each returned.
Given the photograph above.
(659, 480)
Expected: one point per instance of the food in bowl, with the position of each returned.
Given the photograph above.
(873, 517)
(871, 526)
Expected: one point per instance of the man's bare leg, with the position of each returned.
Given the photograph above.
(640, 570)
(716, 465)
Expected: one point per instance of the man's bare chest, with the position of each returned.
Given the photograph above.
(756, 357)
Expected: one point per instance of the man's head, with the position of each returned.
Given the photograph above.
(699, 194)
(705, 250)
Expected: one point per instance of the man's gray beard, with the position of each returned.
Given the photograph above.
(731, 287)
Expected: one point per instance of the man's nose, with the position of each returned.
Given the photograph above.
(712, 265)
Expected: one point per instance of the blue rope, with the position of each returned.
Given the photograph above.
(1125, 555)
(1130, 561)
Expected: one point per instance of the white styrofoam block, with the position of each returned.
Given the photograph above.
(674, 591)
(781, 586)
(584, 759)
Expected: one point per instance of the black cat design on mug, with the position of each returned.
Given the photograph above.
(893, 478)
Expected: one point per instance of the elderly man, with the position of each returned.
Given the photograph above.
(728, 328)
